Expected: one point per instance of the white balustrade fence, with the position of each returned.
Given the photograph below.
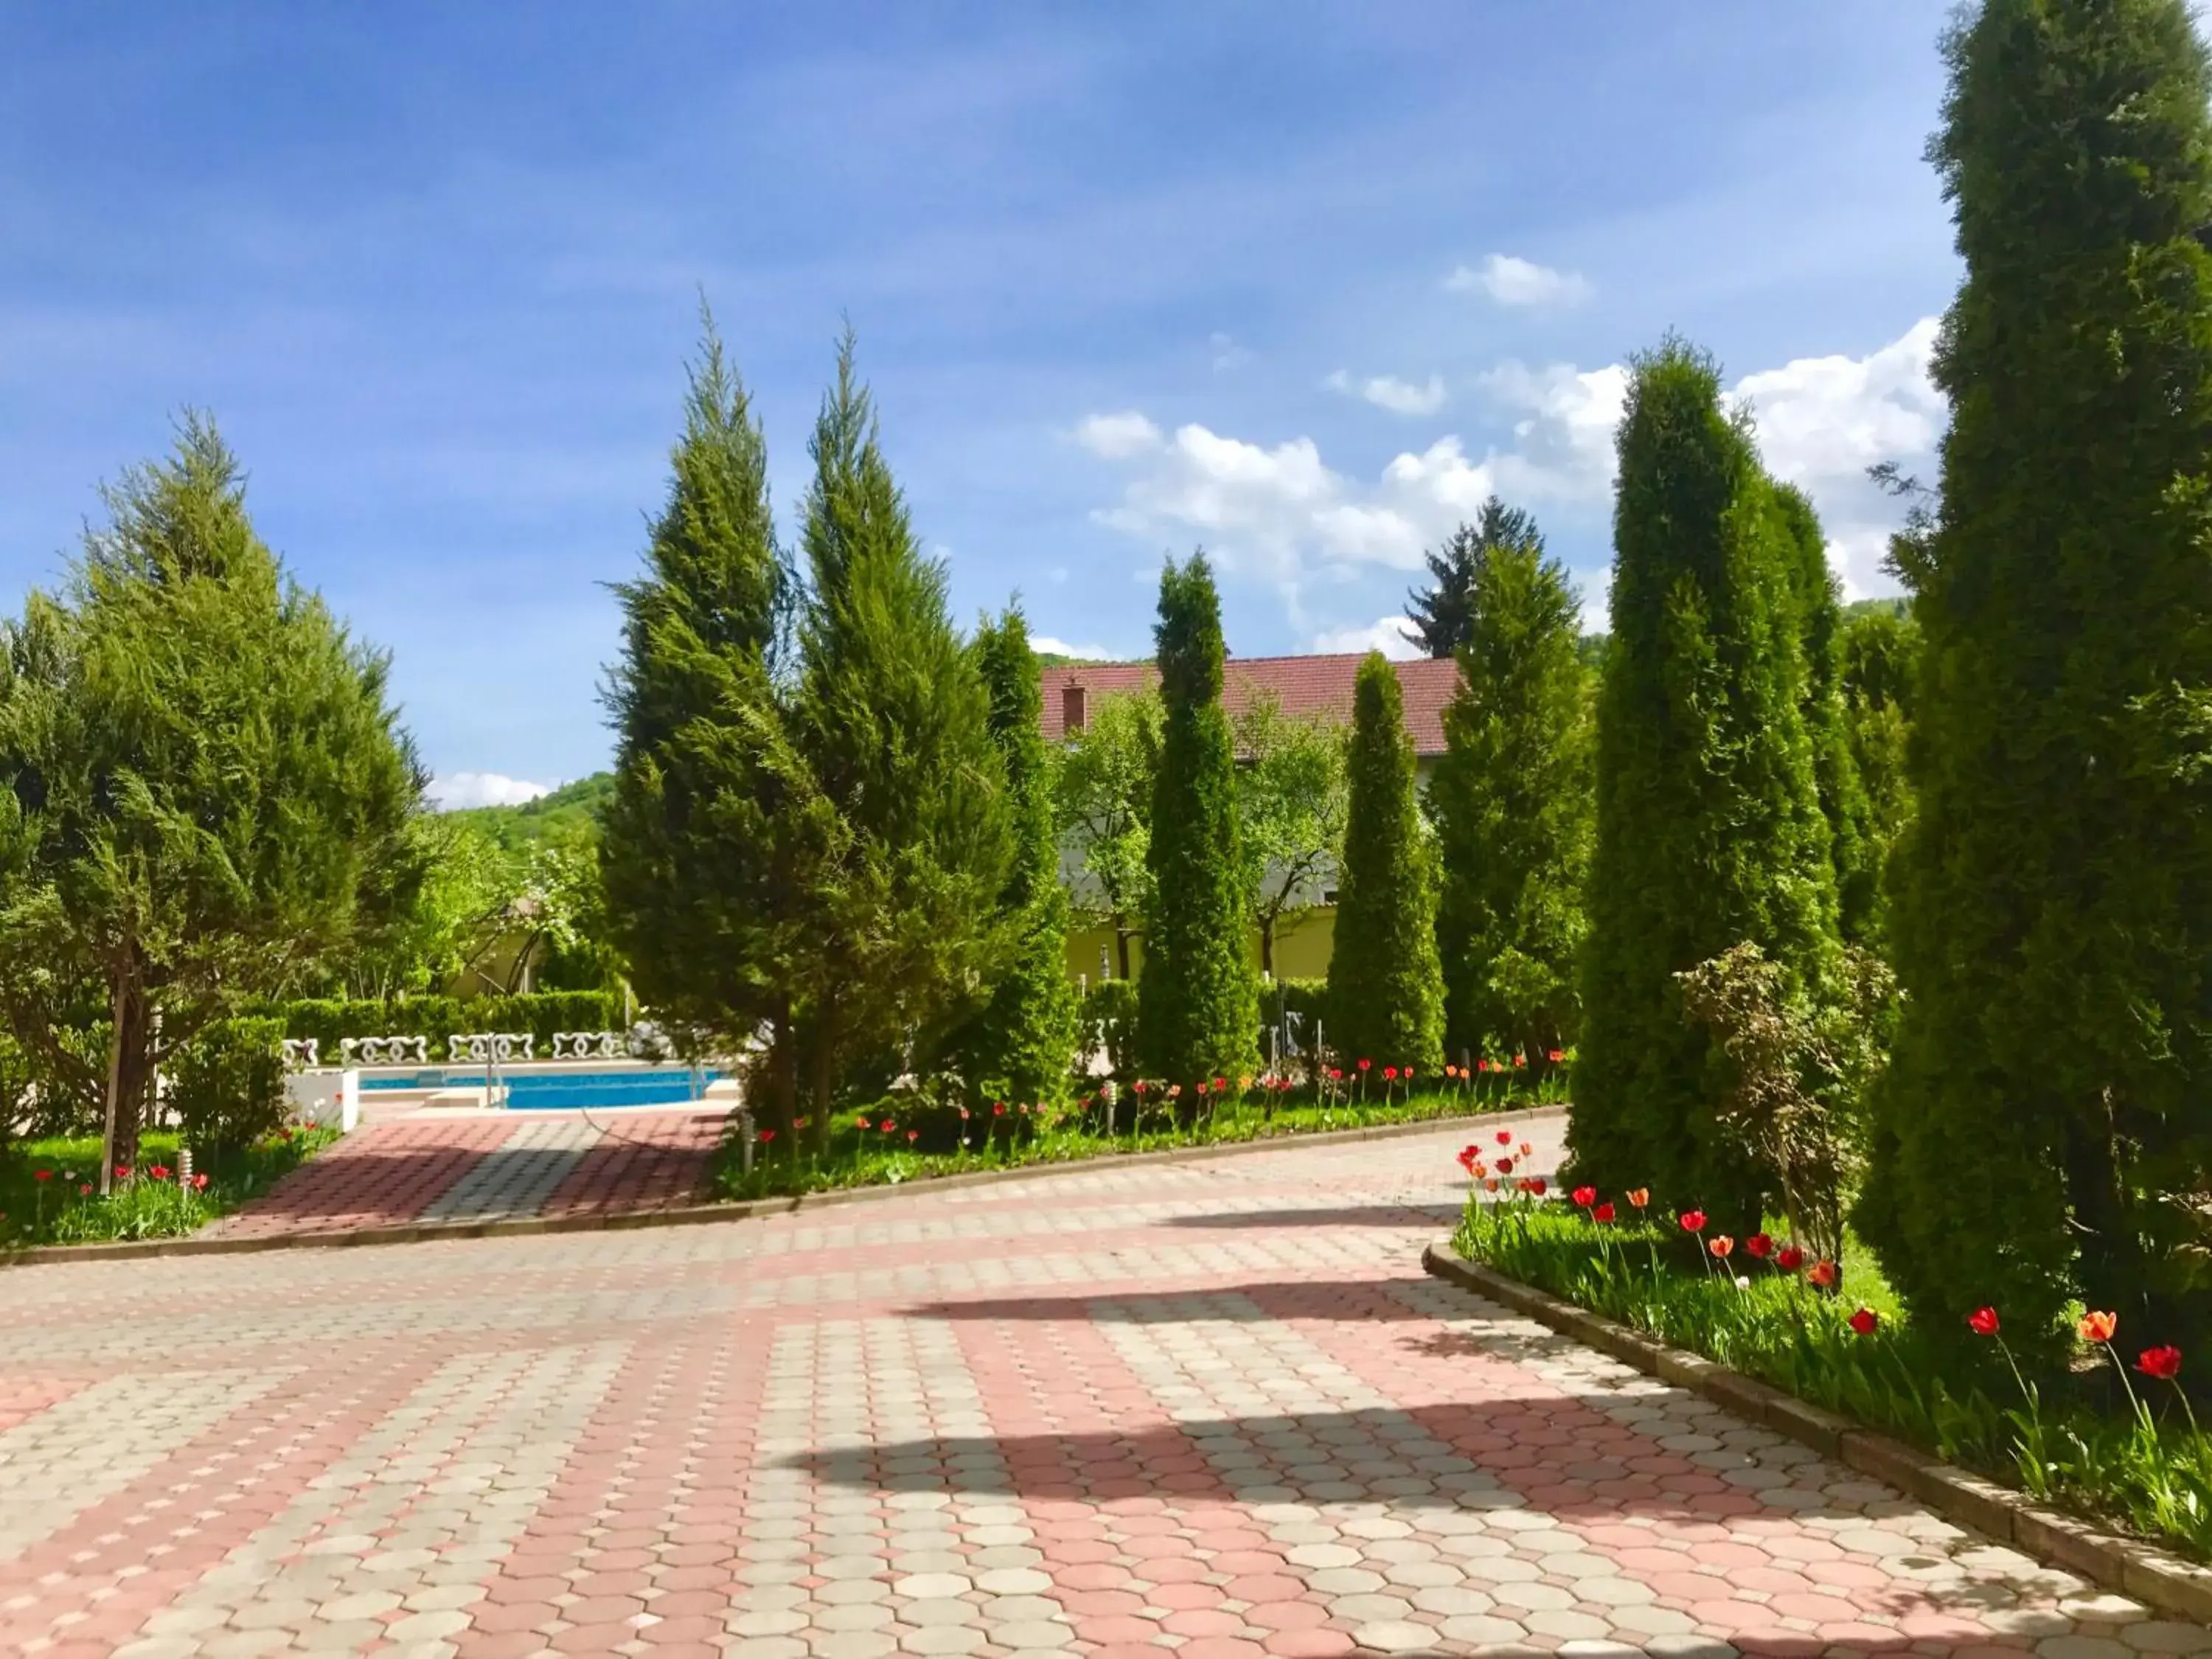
(385, 1051)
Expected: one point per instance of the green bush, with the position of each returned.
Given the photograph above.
(1107, 1024)
(226, 1084)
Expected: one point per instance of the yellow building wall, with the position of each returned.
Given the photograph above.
(1303, 941)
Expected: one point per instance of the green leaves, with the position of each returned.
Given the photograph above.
(1385, 986)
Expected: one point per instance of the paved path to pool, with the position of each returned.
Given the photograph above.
(496, 1167)
(1212, 1409)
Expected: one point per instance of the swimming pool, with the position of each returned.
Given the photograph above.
(564, 1090)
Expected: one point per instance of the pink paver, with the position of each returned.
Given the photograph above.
(1213, 1409)
(564, 1165)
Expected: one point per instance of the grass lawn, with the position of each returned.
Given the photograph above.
(934, 1141)
(49, 1189)
(2085, 1437)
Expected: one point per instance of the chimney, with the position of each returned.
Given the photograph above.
(1071, 710)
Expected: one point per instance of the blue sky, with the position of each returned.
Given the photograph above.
(1297, 282)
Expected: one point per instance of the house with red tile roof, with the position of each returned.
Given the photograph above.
(1316, 688)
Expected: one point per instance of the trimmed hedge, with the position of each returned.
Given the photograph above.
(329, 1020)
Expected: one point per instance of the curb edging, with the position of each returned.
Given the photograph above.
(692, 1215)
(2151, 1574)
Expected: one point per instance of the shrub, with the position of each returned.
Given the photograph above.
(226, 1084)
(330, 1020)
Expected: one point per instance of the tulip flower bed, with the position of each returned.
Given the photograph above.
(889, 1145)
(49, 1189)
(2089, 1437)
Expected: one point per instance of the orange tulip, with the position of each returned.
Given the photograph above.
(1640, 1196)
(2099, 1326)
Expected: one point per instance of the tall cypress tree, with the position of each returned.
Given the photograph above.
(714, 847)
(1385, 989)
(1709, 829)
(1020, 1045)
(2052, 913)
(1853, 847)
(893, 718)
(1512, 799)
(1198, 1001)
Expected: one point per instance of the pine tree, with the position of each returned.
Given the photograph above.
(1709, 829)
(893, 719)
(1019, 1047)
(1853, 848)
(1198, 1005)
(1442, 615)
(1385, 989)
(1512, 799)
(205, 792)
(716, 844)
(2052, 896)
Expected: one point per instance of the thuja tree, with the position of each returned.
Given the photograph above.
(2042, 1133)
(1511, 799)
(717, 848)
(1854, 849)
(1198, 998)
(1385, 1002)
(1880, 654)
(1709, 828)
(1019, 1047)
(207, 795)
(892, 716)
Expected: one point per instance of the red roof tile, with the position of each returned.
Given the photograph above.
(1303, 686)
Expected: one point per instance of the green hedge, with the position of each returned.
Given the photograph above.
(329, 1020)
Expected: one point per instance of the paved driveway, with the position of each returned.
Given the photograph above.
(1215, 1409)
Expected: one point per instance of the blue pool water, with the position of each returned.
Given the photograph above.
(554, 1091)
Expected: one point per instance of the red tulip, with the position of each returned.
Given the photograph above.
(1863, 1322)
(1789, 1258)
(1505, 1166)
(1481, 1064)
(1364, 1064)
(42, 1175)
(888, 1125)
(2164, 1364)
(1390, 1074)
(1140, 1085)
(85, 1191)
(1693, 1221)
(1201, 1088)
(997, 1108)
(1821, 1274)
(1505, 1137)
(160, 1172)
(199, 1183)
(1983, 1322)
(766, 1136)
(1603, 1213)
(1221, 1083)
(1555, 1055)
(964, 1113)
(1519, 1061)
(1585, 1196)
(1536, 1184)
(1760, 1245)
(913, 1135)
(1466, 1159)
(1336, 1074)
(123, 1172)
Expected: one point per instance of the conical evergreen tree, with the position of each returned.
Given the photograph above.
(1198, 1005)
(1385, 987)
(1709, 829)
(893, 718)
(1853, 848)
(1442, 615)
(2052, 910)
(1512, 799)
(1020, 1045)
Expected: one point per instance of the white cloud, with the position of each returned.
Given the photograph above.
(1062, 649)
(1389, 392)
(1117, 437)
(1283, 515)
(1516, 282)
(459, 789)
(1385, 634)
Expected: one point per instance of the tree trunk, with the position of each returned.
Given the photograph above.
(1267, 946)
(1122, 950)
(126, 1078)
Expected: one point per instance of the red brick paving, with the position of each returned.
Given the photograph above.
(1214, 1409)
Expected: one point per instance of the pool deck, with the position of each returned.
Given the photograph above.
(491, 1166)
